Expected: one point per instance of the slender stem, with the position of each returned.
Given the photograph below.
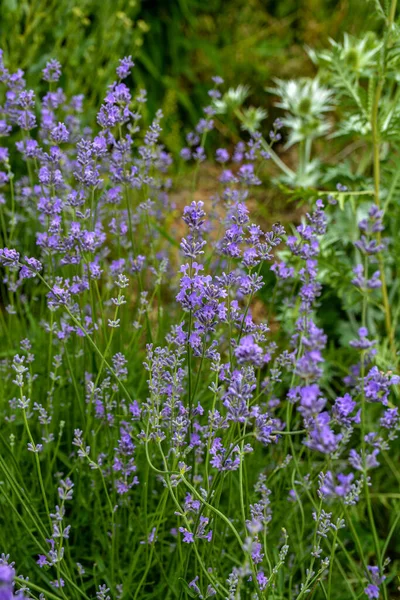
(331, 562)
(279, 163)
(33, 586)
(363, 443)
(37, 461)
(392, 14)
(376, 146)
(243, 513)
(219, 588)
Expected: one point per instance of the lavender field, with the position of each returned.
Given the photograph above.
(199, 323)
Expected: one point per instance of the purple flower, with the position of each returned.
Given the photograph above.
(249, 352)
(341, 489)
(31, 268)
(186, 154)
(6, 574)
(342, 410)
(9, 257)
(321, 436)
(42, 560)
(59, 133)
(390, 419)
(362, 343)
(199, 154)
(356, 460)
(193, 215)
(204, 125)
(363, 282)
(247, 176)
(262, 580)
(372, 589)
(222, 155)
(377, 385)
(310, 401)
(201, 529)
(4, 155)
(193, 585)
(29, 148)
(124, 67)
(124, 462)
(5, 128)
(282, 271)
(256, 554)
(52, 71)
(218, 461)
(188, 536)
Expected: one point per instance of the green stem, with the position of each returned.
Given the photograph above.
(376, 146)
(363, 443)
(37, 461)
(279, 163)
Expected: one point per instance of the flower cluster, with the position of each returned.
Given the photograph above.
(166, 362)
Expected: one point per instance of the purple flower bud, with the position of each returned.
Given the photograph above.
(52, 71)
(125, 66)
(9, 257)
(59, 134)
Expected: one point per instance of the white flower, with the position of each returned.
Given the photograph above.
(232, 99)
(304, 98)
(356, 54)
(252, 118)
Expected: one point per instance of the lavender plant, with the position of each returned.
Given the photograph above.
(175, 421)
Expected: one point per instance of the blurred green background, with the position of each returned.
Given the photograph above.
(177, 45)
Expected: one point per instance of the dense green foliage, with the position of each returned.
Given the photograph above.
(177, 45)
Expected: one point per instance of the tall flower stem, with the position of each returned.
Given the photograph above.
(268, 148)
(376, 146)
(363, 445)
(37, 462)
(220, 589)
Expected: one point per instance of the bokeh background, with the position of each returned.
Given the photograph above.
(177, 45)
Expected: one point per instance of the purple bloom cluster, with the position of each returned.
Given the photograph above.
(372, 589)
(7, 575)
(174, 381)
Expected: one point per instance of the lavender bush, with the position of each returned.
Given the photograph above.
(175, 421)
